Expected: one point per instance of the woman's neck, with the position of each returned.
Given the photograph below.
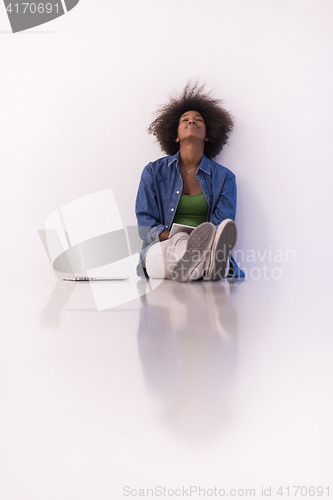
(191, 156)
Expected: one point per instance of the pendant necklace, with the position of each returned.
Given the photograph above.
(188, 171)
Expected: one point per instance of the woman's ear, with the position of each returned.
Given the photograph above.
(206, 139)
(177, 140)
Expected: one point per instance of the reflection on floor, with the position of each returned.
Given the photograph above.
(187, 346)
(234, 374)
(187, 341)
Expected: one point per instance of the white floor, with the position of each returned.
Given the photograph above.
(215, 385)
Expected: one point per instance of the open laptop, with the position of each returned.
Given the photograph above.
(85, 240)
(70, 264)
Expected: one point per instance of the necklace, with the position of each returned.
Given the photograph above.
(188, 171)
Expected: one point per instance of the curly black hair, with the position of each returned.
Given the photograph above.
(219, 122)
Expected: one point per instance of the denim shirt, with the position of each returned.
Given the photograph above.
(159, 193)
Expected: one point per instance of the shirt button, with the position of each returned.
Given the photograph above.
(172, 210)
(177, 192)
(167, 227)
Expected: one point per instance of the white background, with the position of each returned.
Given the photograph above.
(77, 95)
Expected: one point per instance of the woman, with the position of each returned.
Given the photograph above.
(188, 187)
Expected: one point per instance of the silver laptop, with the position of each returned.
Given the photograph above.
(72, 264)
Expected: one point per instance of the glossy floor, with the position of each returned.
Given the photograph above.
(214, 385)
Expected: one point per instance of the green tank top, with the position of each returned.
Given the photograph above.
(192, 209)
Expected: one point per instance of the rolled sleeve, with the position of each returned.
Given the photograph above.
(154, 233)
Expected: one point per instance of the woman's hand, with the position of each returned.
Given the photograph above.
(164, 235)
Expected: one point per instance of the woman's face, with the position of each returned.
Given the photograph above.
(191, 125)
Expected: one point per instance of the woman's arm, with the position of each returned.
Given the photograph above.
(147, 211)
(224, 206)
(164, 235)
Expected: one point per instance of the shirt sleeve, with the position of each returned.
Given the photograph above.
(146, 208)
(225, 207)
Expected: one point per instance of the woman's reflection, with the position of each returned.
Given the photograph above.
(187, 340)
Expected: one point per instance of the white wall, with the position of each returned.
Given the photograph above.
(77, 94)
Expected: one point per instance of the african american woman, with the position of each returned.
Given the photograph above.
(188, 187)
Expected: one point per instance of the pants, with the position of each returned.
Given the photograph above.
(162, 258)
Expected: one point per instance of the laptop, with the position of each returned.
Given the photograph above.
(71, 264)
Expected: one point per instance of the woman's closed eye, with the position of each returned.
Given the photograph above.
(194, 120)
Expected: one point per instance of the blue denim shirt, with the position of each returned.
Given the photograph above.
(159, 193)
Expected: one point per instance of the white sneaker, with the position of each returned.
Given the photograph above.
(199, 243)
(224, 242)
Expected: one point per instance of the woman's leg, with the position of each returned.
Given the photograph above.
(191, 266)
(167, 259)
(207, 252)
(163, 256)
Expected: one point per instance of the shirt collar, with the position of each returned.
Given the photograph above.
(204, 164)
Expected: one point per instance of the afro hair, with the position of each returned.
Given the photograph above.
(218, 121)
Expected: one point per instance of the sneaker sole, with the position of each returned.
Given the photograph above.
(225, 240)
(198, 244)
